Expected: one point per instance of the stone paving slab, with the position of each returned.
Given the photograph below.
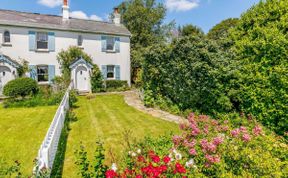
(132, 98)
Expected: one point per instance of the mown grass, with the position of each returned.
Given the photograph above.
(107, 117)
(22, 130)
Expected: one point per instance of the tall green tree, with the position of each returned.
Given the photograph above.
(188, 30)
(220, 33)
(221, 30)
(261, 48)
(144, 19)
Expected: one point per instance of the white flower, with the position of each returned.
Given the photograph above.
(189, 163)
(138, 151)
(178, 156)
(174, 151)
(133, 154)
(170, 155)
(114, 167)
(129, 152)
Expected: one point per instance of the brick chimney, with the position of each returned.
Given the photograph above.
(65, 10)
(116, 17)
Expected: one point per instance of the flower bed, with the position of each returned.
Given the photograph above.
(209, 147)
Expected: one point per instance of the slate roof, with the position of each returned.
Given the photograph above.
(35, 20)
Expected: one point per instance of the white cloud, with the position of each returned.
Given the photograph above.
(181, 5)
(95, 17)
(83, 15)
(50, 3)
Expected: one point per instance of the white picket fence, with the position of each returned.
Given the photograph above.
(48, 148)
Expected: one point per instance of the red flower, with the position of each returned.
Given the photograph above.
(179, 169)
(166, 159)
(110, 174)
(155, 159)
(139, 176)
(141, 159)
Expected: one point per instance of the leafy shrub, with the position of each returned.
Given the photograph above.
(73, 98)
(209, 148)
(20, 87)
(192, 73)
(96, 79)
(118, 85)
(94, 169)
(262, 57)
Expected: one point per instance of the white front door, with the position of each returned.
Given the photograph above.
(82, 78)
(5, 77)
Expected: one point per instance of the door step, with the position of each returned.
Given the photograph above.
(83, 93)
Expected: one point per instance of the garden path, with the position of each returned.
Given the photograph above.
(133, 99)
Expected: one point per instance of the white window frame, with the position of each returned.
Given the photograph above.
(6, 43)
(37, 35)
(114, 72)
(38, 74)
(114, 42)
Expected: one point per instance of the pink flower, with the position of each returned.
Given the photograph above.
(183, 126)
(189, 144)
(177, 139)
(218, 140)
(208, 147)
(246, 137)
(235, 132)
(257, 130)
(193, 152)
(206, 129)
(243, 129)
(212, 159)
(195, 130)
(214, 122)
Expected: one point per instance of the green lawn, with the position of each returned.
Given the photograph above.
(21, 133)
(107, 117)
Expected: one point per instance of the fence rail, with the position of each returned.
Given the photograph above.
(48, 148)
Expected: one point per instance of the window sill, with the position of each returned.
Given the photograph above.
(7, 44)
(42, 50)
(110, 51)
(43, 83)
(81, 47)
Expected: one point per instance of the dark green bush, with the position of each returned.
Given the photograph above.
(192, 73)
(72, 98)
(116, 84)
(20, 87)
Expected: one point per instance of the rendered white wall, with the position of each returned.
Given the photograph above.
(63, 39)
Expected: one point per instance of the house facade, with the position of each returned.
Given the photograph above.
(38, 39)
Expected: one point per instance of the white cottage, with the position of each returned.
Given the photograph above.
(38, 38)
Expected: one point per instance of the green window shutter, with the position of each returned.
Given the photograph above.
(103, 43)
(117, 45)
(51, 41)
(51, 73)
(104, 71)
(117, 70)
(32, 41)
(33, 72)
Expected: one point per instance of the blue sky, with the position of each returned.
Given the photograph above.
(203, 13)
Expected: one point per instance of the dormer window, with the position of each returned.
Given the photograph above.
(7, 38)
(80, 40)
(42, 40)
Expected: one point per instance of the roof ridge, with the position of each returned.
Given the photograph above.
(53, 15)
